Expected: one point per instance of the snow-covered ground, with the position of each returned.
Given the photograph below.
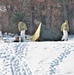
(71, 38)
(9, 39)
(37, 58)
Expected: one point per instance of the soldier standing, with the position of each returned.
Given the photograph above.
(65, 30)
(22, 28)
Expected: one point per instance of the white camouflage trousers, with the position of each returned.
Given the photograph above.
(65, 35)
(1, 37)
(22, 35)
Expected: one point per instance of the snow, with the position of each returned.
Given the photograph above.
(9, 39)
(37, 58)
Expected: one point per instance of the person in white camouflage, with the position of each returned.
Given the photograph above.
(65, 30)
(22, 28)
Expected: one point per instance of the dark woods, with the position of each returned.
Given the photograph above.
(51, 13)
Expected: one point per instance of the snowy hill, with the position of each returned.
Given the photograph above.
(37, 58)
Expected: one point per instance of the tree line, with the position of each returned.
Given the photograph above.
(50, 12)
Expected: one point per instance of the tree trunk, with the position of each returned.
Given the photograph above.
(32, 21)
(65, 12)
